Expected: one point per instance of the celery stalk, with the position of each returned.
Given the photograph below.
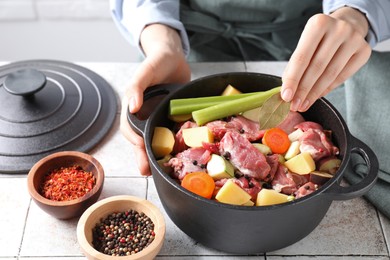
(232, 107)
(188, 105)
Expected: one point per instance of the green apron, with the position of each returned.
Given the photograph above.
(223, 30)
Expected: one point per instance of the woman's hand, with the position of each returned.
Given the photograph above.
(331, 49)
(164, 63)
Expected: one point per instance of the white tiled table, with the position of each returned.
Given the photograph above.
(351, 229)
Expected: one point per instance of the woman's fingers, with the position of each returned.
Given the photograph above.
(164, 63)
(301, 58)
(141, 80)
(142, 161)
(352, 66)
(322, 62)
(324, 83)
(147, 75)
(346, 62)
(339, 52)
(135, 139)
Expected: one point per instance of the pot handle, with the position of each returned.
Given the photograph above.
(337, 192)
(136, 122)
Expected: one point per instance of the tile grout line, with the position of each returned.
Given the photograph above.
(147, 188)
(24, 229)
(383, 231)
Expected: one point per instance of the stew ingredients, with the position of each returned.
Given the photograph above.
(235, 160)
(162, 142)
(199, 183)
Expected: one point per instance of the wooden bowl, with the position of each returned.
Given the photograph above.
(101, 209)
(65, 209)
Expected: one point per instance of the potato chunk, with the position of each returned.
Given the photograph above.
(271, 197)
(302, 163)
(180, 118)
(162, 141)
(230, 90)
(231, 193)
(194, 137)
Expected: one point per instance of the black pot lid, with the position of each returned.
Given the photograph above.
(48, 106)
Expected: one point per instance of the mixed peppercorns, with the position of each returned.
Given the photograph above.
(67, 183)
(123, 233)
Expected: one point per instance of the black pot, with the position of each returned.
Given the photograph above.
(241, 229)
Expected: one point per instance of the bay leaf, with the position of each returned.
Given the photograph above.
(273, 111)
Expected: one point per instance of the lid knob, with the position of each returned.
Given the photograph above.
(24, 82)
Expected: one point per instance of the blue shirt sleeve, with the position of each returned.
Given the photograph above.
(132, 16)
(376, 11)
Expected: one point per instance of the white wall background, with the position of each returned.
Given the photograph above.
(71, 30)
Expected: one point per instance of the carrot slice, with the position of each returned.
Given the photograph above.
(277, 140)
(199, 183)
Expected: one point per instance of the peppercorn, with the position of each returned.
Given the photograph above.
(123, 233)
(266, 185)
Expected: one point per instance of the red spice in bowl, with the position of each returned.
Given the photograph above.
(67, 202)
(67, 183)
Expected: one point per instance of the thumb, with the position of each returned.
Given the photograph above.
(140, 81)
(135, 100)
